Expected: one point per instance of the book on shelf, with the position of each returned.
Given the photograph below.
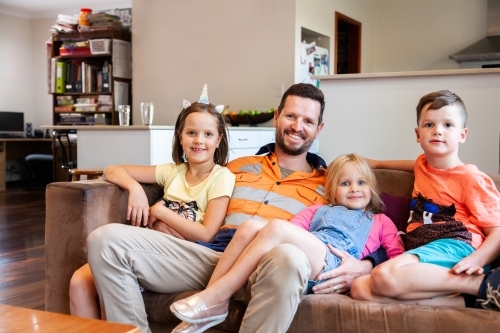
(105, 108)
(101, 119)
(75, 119)
(65, 100)
(87, 100)
(86, 107)
(105, 99)
(69, 84)
(53, 75)
(65, 108)
(60, 76)
(71, 69)
(106, 84)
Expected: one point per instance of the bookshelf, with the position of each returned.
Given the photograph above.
(90, 75)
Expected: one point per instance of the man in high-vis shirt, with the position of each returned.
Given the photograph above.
(278, 184)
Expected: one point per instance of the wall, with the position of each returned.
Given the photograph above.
(243, 50)
(16, 66)
(319, 16)
(42, 101)
(400, 35)
(376, 117)
(23, 69)
(420, 35)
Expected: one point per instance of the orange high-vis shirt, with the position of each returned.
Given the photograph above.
(261, 193)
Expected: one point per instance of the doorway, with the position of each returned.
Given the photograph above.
(347, 45)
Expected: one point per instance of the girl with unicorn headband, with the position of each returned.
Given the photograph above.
(197, 189)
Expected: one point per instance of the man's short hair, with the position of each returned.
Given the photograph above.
(305, 90)
(441, 98)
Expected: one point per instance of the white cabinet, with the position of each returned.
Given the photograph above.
(101, 146)
(247, 141)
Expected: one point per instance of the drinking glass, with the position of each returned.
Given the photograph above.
(124, 115)
(147, 110)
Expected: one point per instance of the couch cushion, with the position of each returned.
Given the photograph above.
(397, 208)
(340, 313)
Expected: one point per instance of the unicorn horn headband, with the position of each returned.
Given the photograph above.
(203, 99)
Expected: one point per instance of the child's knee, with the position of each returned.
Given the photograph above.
(82, 283)
(273, 228)
(250, 228)
(360, 289)
(383, 281)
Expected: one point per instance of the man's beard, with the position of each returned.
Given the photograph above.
(292, 151)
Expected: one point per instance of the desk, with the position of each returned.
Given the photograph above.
(16, 319)
(19, 148)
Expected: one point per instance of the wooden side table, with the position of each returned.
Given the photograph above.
(23, 320)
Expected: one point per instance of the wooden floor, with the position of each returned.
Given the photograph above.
(22, 248)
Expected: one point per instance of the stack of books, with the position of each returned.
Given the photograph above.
(75, 46)
(64, 104)
(75, 119)
(65, 24)
(103, 21)
(105, 103)
(86, 104)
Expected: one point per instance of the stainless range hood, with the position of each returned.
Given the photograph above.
(486, 52)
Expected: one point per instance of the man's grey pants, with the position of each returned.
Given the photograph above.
(123, 257)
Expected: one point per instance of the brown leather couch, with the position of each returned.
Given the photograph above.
(75, 209)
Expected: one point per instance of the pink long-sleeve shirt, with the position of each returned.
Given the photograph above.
(383, 232)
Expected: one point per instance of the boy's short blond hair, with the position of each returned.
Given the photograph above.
(439, 99)
(334, 171)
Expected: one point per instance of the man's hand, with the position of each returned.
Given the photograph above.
(339, 280)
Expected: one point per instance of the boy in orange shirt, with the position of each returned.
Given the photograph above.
(454, 226)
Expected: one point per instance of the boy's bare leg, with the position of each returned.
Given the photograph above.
(361, 291)
(274, 233)
(84, 301)
(406, 278)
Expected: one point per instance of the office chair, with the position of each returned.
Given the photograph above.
(39, 170)
(74, 173)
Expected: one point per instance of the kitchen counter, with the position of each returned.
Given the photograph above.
(142, 127)
(100, 146)
(447, 72)
(106, 127)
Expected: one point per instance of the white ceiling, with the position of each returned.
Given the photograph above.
(50, 8)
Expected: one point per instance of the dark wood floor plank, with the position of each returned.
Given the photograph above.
(22, 248)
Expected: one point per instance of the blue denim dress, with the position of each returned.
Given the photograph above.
(344, 229)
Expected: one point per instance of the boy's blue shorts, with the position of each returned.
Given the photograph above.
(444, 252)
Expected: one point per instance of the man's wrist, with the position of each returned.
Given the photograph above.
(369, 261)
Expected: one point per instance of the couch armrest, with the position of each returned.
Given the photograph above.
(73, 210)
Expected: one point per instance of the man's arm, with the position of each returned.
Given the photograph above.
(339, 280)
(403, 165)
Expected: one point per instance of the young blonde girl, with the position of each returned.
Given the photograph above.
(350, 223)
(197, 190)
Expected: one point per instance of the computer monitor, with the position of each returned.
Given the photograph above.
(12, 123)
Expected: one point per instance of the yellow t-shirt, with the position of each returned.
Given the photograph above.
(172, 177)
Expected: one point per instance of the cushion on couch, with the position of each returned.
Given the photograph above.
(397, 208)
